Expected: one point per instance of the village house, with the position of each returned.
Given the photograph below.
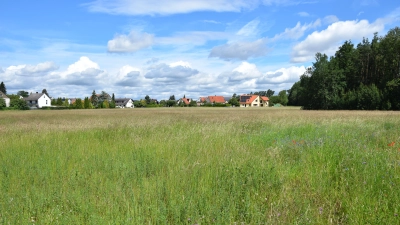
(213, 99)
(253, 101)
(124, 103)
(6, 99)
(38, 100)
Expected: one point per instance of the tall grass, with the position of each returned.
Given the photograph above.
(199, 166)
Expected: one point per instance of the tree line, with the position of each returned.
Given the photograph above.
(365, 77)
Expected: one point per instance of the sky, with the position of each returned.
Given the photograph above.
(134, 48)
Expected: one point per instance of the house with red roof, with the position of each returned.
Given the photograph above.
(213, 99)
(253, 101)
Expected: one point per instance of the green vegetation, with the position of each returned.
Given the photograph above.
(365, 78)
(199, 166)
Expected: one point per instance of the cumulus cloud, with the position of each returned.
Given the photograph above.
(129, 76)
(180, 63)
(240, 50)
(163, 73)
(32, 70)
(132, 42)
(26, 76)
(326, 41)
(156, 7)
(81, 73)
(283, 75)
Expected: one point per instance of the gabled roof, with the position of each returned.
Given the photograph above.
(203, 99)
(216, 99)
(186, 101)
(2, 95)
(265, 98)
(34, 96)
(122, 101)
(247, 99)
(227, 99)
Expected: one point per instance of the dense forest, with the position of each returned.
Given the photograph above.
(363, 77)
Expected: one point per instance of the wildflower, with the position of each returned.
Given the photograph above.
(320, 210)
(391, 144)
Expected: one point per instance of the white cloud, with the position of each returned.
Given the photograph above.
(32, 70)
(84, 72)
(303, 14)
(156, 7)
(81, 65)
(326, 41)
(250, 29)
(283, 75)
(129, 76)
(130, 43)
(240, 50)
(248, 69)
(166, 74)
(297, 31)
(180, 63)
(330, 19)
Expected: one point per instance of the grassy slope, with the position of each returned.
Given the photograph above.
(187, 166)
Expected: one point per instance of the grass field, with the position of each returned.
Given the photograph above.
(199, 166)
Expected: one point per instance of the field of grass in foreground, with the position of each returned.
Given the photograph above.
(199, 166)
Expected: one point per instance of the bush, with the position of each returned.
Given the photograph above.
(19, 104)
(2, 103)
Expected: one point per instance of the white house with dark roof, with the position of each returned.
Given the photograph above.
(38, 100)
(6, 99)
(124, 103)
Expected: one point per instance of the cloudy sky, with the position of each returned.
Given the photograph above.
(135, 48)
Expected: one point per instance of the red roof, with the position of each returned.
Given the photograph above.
(265, 98)
(186, 101)
(216, 99)
(203, 99)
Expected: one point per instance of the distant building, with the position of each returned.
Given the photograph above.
(6, 99)
(253, 101)
(38, 100)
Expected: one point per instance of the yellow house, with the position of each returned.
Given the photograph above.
(253, 101)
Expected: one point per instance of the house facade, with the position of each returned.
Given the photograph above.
(6, 99)
(38, 100)
(124, 103)
(253, 101)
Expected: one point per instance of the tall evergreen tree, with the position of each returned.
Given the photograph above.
(93, 99)
(3, 88)
(112, 103)
(44, 91)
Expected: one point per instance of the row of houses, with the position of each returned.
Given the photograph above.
(244, 100)
(39, 100)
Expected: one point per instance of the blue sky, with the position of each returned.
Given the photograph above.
(195, 48)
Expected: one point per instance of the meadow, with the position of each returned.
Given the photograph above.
(199, 166)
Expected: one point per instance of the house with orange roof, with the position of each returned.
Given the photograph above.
(216, 99)
(253, 101)
(186, 101)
